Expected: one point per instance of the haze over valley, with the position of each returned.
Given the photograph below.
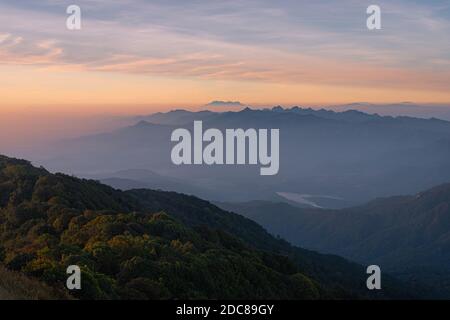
(349, 157)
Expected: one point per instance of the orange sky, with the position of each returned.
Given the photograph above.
(32, 88)
(158, 56)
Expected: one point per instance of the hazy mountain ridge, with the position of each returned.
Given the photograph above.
(146, 179)
(405, 235)
(351, 155)
(425, 111)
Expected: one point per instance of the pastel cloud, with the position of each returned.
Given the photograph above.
(287, 41)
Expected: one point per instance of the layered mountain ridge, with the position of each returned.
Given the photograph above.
(408, 236)
(350, 155)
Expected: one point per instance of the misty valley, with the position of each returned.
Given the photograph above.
(349, 157)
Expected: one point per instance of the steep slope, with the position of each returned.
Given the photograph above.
(408, 235)
(128, 248)
(146, 179)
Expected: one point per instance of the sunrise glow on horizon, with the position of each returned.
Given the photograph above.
(161, 55)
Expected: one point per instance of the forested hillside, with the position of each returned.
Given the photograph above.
(146, 244)
(17, 286)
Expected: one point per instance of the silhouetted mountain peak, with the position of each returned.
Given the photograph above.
(246, 110)
(278, 109)
(143, 123)
(219, 103)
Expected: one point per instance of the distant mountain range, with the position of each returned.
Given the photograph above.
(425, 111)
(218, 103)
(408, 236)
(349, 155)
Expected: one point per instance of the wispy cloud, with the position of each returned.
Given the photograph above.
(282, 41)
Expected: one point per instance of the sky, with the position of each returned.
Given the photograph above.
(135, 56)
